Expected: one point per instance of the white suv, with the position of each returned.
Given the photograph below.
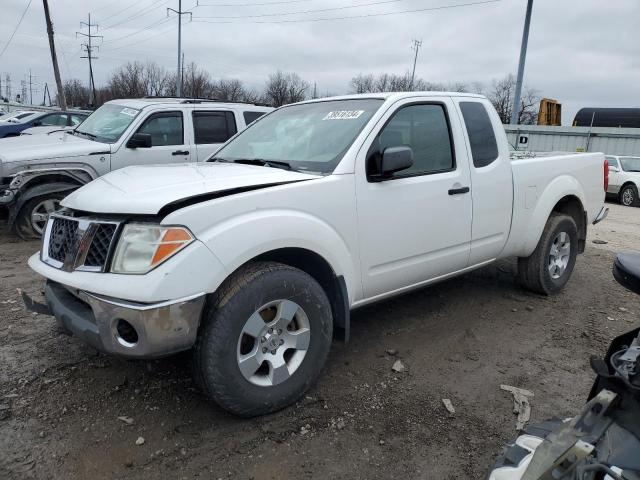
(624, 179)
(37, 171)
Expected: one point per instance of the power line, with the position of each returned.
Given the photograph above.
(16, 29)
(300, 12)
(143, 40)
(148, 27)
(138, 14)
(261, 4)
(369, 15)
(133, 4)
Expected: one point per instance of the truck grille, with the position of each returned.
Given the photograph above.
(63, 234)
(78, 243)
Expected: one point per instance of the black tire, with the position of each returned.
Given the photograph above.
(533, 270)
(215, 364)
(24, 226)
(628, 196)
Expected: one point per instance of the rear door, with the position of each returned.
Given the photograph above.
(211, 129)
(169, 143)
(416, 224)
(491, 179)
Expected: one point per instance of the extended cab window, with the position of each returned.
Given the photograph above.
(213, 127)
(425, 129)
(484, 148)
(612, 162)
(251, 116)
(165, 129)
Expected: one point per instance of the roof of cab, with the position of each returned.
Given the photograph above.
(140, 103)
(396, 96)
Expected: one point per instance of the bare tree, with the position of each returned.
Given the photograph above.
(501, 96)
(283, 88)
(231, 90)
(76, 94)
(362, 84)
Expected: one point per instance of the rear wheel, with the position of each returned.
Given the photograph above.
(629, 196)
(548, 269)
(32, 218)
(263, 340)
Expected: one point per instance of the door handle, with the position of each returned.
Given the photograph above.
(181, 152)
(458, 191)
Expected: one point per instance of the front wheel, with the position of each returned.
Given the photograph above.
(32, 218)
(548, 269)
(629, 196)
(264, 338)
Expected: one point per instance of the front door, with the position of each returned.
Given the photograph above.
(415, 225)
(168, 143)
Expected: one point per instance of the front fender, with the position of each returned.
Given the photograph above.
(556, 190)
(242, 238)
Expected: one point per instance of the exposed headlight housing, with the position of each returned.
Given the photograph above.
(142, 247)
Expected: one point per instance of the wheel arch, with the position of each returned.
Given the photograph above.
(563, 195)
(572, 206)
(320, 269)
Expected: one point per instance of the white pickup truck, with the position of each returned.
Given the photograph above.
(37, 171)
(255, 259)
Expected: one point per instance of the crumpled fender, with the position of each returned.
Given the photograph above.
(36, 191)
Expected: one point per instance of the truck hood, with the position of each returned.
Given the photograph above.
(54, 145)
(147, 189)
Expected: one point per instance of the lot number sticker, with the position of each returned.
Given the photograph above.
(343, 115)
(132, 112)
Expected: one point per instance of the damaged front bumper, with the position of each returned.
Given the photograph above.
(124, 328)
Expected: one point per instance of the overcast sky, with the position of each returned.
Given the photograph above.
(581, 52)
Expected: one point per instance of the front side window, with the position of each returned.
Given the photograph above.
(213, 127)
(309, 136)
(108, 123)
(425, 129)
(55, 119)
(630, 164)
(164, 128)
(484, 147)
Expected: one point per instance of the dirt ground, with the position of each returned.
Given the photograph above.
(60, 401)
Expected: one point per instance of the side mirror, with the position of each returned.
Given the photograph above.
(139, 140)
(613, 169)
(395, 159)
(37, 123)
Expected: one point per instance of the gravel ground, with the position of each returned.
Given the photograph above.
(67, 412)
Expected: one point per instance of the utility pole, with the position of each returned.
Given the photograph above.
(179, 72)
(515, 112)
(89, 48)
(54, 59)
(30, 88)
(415, 46)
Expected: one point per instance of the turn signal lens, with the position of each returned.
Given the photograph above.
(143, 247)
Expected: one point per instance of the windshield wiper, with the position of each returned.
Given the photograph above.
(86, 134)
(255, 161)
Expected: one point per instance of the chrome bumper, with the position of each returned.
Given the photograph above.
(604, 211)
(123, 328)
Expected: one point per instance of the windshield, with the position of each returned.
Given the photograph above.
(630, 164)
(107, 123)
(310, 137)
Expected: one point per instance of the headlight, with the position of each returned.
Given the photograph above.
(143, 247)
